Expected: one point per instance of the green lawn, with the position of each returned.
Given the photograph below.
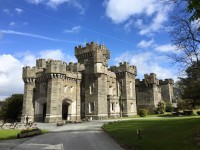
(9, 134)
(177, 133)
(12, 133)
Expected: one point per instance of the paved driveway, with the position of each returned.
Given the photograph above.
(80, 136)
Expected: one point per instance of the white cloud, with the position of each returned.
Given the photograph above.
(12, 24)
(11, 68)
(147, 62)
(55, 3)
(165, 48)
(74, 29)
(128, 25)
(155, 14)
(19, 10)
(35, 1)
(146, 44)
(10, 75)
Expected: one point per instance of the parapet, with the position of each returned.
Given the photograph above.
(82, 52)
(29, 72)
(55, 66)
(41, 63)
(151, 79)
(124, 67)
(166, 81)
(74, 67)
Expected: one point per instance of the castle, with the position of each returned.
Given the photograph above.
(55, 90)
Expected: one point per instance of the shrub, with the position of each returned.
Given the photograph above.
(198, 112)
(142, 112)
(161, 107)
(169, 107)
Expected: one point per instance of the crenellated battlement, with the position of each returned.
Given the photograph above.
(29, 72)
(124, 67)
(74, 67)
(151, 79)
(55, 66)
(98, 53)
(166, 81)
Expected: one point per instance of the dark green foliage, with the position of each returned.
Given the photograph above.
(194, 9)
(169, 107)
(161, 107)
(142, 112)
(198, 112)
(12, 107)
(185, 104)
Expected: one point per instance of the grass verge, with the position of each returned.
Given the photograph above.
(157, 133)
(12, 133)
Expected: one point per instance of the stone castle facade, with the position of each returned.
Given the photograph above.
(55, 90)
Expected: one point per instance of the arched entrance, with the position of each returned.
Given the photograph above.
(65, 107)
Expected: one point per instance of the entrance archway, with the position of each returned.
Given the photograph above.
(65, 106)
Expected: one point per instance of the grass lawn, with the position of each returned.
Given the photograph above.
(177, 133)
(12, 133)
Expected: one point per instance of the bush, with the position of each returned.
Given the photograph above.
(161, 107)
(169, 107)
(198, 112)
(142, 112)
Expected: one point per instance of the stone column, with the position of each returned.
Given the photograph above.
(28, 109)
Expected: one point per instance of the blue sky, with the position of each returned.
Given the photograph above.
(134, 31)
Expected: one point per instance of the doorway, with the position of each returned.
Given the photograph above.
(65, 106)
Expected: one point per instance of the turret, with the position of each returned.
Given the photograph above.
(92, 53)
(124, 67)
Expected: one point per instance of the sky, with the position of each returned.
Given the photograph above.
(134, 31)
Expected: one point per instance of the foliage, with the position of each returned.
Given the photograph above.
(194, 9)
(157, 134)
(198, 112)
(12, 107)
(186, 104)
(169, 107)
(161, 107)
(142, 112)
(191, 86)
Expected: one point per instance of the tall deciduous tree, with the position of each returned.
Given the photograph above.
(12, 108)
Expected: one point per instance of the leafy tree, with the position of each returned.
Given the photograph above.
(191, 85)
(12, 107)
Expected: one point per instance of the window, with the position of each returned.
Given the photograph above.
(112, 106)
(91, 107)
(91, 88)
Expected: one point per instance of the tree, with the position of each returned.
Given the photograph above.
(194, 8)
(12, 107)
(186, 39)
(191, 85)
